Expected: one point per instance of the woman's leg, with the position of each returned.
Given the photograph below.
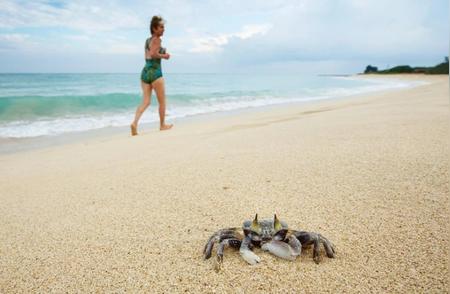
(158, 85)
(146, 100)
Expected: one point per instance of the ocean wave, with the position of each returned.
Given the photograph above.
(48, 116)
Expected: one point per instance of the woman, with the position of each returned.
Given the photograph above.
(151, 75)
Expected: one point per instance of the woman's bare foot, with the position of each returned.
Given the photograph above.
(165, 127)
(133, 130)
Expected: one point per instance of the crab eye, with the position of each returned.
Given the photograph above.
(276, 223)
(255, 226)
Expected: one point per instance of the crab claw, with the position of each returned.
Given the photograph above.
(284, 250)
(250, 257)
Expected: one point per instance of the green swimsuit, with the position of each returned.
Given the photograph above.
(152, 69)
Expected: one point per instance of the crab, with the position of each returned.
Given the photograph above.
(272, 235)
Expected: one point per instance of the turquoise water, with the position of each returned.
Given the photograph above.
(50, 104)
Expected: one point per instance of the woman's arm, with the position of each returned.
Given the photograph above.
(154, 48)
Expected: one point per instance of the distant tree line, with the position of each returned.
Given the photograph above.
(441, 68)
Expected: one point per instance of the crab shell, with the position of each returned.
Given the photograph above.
(265, 230)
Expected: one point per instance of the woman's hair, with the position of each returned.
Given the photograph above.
(155, 22)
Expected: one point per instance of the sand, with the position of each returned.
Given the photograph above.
(122, 213)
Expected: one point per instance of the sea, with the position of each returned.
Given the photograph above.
(43, 105)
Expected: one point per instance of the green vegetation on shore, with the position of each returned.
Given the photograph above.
(441, 68)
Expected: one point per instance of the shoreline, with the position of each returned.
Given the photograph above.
(15, 145)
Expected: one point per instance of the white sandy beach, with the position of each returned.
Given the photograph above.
(120, 213)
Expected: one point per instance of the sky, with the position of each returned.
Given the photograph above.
(203, 36)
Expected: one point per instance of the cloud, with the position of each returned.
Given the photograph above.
(15, 41)
(345, 30)
(69, 26)
(215, 43)
(78, 37)
(18, 38)
(86, 16)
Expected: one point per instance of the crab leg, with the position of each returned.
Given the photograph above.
(311, 238)
(316, 254)
(329, 247)
(233, 242)
(246, 253)
(218, 237)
